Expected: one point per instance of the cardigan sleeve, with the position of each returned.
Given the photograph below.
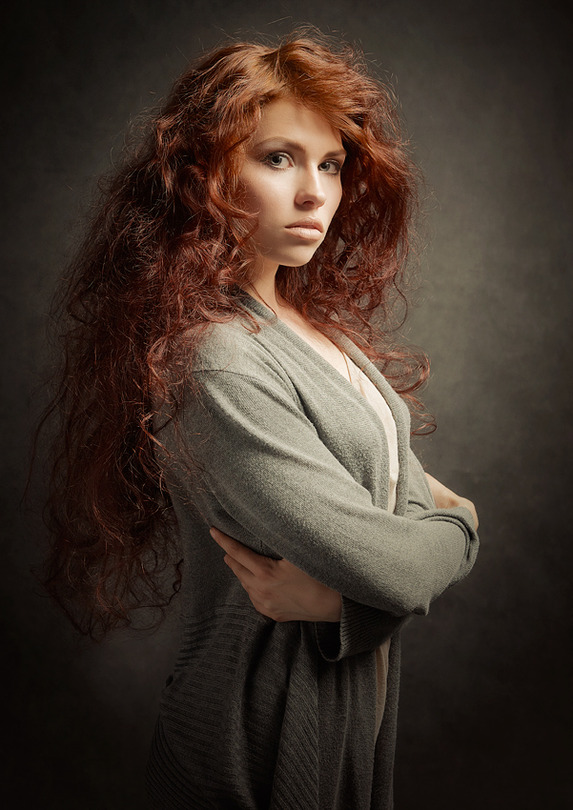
(420, 498)
(270, 482)
(363, 628)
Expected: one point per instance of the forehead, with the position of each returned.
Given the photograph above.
(286, 118)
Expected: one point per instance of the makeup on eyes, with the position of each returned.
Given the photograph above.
(272, 146)
(336, 165)
(291, 180)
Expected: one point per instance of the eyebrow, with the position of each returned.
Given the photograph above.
(296, 147)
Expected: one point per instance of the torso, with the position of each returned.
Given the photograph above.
(254, 665)
(330, 352)
(319, 342)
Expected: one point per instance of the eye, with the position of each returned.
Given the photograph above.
(277, 160)
(331, 167)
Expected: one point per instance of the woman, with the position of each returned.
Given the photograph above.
(218, 393)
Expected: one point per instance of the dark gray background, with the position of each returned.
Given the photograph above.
(485, 90)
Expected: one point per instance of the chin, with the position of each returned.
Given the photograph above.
(301, 257)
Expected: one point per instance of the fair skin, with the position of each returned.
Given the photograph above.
(290, 177)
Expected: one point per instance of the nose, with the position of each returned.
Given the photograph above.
(311, 191)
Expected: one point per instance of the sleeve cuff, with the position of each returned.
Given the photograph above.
(361, 629)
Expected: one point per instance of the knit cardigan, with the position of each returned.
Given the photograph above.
(279, 451)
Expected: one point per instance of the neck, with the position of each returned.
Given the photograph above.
(262, 286)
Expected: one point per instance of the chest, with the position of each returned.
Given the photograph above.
(348, 425)
(318, 342)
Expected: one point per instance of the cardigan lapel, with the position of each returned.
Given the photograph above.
(396, 404)
(399, 412)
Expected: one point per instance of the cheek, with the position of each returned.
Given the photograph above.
(261, 197)
(335, 202)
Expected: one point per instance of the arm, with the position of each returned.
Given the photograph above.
(285, 593)
(282, 592)
(277, 588)
(363, 628)
(445, 498)
(270, 482)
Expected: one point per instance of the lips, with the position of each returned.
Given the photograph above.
(308, 224)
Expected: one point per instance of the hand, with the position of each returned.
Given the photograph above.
(277, 588)
(447, 499)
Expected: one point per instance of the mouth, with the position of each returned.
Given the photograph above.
(306, 229)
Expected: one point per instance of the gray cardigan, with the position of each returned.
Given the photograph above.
(282, 453)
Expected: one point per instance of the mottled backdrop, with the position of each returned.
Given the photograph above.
(485, 89)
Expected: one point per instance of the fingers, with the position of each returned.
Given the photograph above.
(440, 491)
(241, 555)
(254, 572)
(243, 574)
(447, 499)
(276, 588)
(235, 552)
(471, 508)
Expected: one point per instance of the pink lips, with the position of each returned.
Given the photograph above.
(310, 229)
(308, 224)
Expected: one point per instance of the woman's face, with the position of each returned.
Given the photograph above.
(290, 178)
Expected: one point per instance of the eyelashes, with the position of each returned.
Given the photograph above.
(282, 160)
(278, 160)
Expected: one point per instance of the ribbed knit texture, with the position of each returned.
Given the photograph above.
(292, 461)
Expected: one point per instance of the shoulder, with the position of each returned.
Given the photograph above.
(242, 348)
(222, 344)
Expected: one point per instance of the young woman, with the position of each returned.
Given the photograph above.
(220, 393)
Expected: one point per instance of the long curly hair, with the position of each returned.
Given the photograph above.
(166, 253)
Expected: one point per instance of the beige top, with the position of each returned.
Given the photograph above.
(367, 388)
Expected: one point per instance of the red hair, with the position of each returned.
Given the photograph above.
(165, 255)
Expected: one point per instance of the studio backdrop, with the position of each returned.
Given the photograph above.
(484, 89)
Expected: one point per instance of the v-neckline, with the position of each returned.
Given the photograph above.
(306, 346)
(273, 318)
(362, 362)
(397, 407)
